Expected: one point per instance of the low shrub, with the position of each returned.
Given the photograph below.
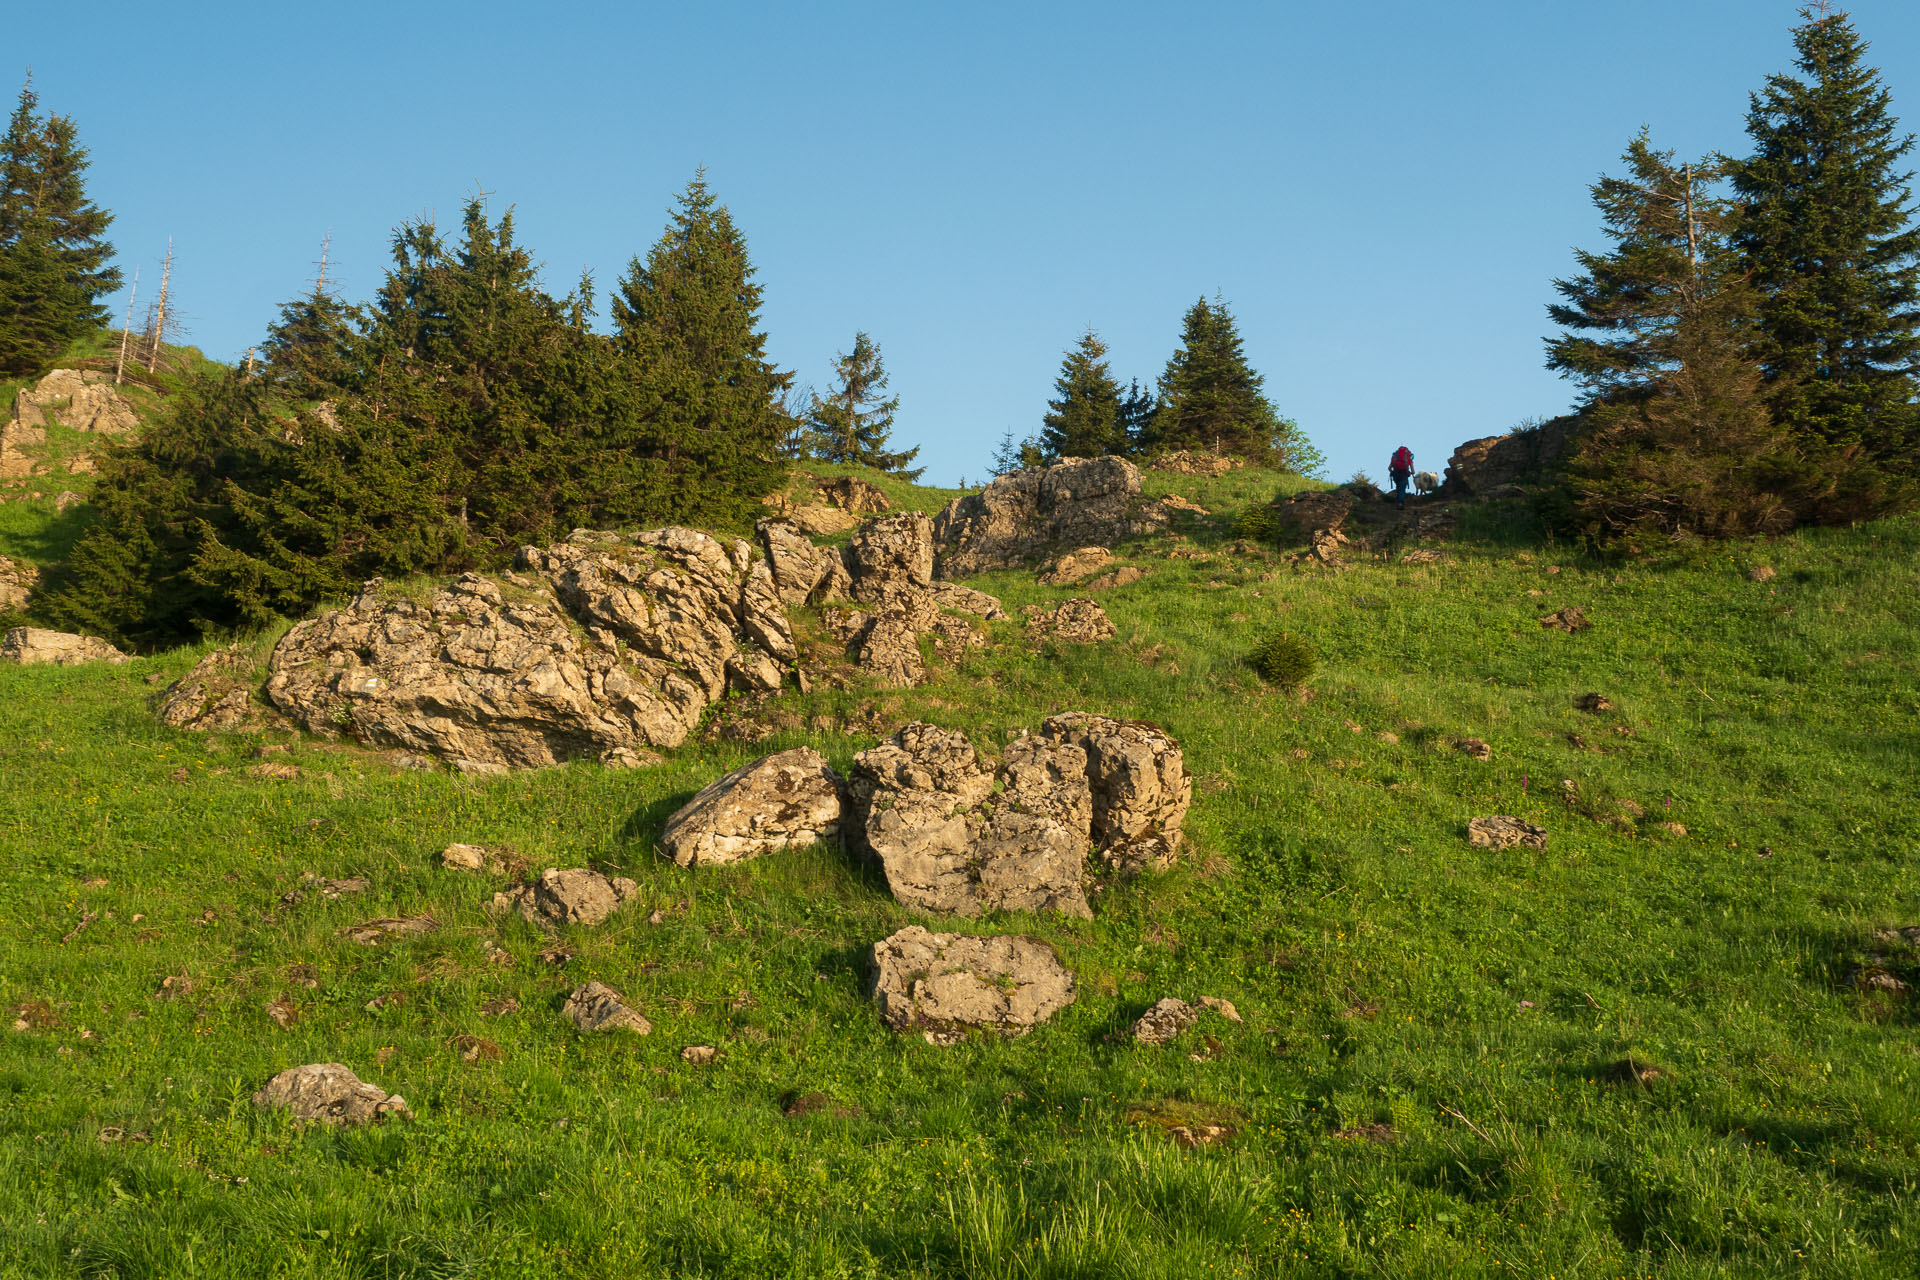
(1285, 659)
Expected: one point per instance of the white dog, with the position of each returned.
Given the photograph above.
(1425, 482)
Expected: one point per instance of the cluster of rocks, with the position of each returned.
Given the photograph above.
(34, 646)
(216, 696)
(1491, 466)
(1077, 621)
(889, 599)
(618, 646)
(838, 506)
(1023, 517)
(78, 399)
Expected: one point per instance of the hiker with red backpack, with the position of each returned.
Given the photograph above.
(1400, 467)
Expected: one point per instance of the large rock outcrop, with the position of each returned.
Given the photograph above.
(791, 798)
(489, 678)
(17, 581)
(79, 399)
(1140, 785)
(945, 985)
(34, 646)
(1023, 517)
(1490, 466)
(922, 800)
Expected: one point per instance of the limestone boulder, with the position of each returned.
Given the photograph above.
(803, 573)
(1164, 1022)
(1077, 621)
(1139, 780)
(1076, 565)
(575, 896)
(216, 696)
(1504, 831)
(594, 1007)
(947, 985)
(892, 555)
(17, 581)
(822, 521)
(789, 799)
(851, 493)
(34, 646)
(1027, 515)
(329, 1093)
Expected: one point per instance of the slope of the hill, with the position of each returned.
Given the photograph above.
(1676, 1044)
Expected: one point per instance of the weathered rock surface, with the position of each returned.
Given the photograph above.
(892, 557)
(1025, 516)
(1195, 463)
(473, 857)
(920, 799)
(575, 896)
(1572, 619)
(851, 493)
(889, 567)
(372, 933)
(82, 400)
(1141, 788)
(217, 695)
(488, 680)
(1487, 466)
(32, 646)
(802, 572)
(821, 521)
(594, 1006)
(789, 799)
(945, 985)
(1165, 1021)
(1075, 565)
(1503, 831)
(17, 581)
(1313, 511)
(329, 1093)
(1077, 621)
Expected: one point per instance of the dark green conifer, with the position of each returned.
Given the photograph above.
(853, 423)
(1212, 399)
(1083, 420)
(1136, 417)
(1828, 238)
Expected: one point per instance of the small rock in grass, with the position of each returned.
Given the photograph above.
(1165, 1021)
(1503, 831)
(945, 984)
(1674, 829)
(370, 933)
(700, 1055)
(1222, 1007)
(329, 1093)
(1201, 1135)
(556, 956)
(472, 857)
(283, 1013)
(1571, 619)
(1474, 747)
(576, 896)
(594, 1006)
(1594, 702)
(275, 770)
(337, 888)
(477, 1049)
(1762, 573)
(500, 1007)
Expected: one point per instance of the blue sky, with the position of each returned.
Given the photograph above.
(1381, 191)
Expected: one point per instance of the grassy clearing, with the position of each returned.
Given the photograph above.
(1432, 1079)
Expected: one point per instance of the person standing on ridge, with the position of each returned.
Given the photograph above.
(1400, 468)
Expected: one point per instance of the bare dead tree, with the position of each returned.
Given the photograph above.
(126, 334)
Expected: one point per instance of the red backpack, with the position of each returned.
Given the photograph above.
(1402, 459)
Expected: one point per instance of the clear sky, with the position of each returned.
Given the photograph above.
(1381, 190)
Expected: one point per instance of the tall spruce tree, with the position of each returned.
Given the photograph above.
(55, 262)
(1676, 437)
(688, 319)
(853, 423)
(1211, 398)
(1828, 237)
(1083, 419)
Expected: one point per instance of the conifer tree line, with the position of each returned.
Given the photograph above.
(1748, 346)
(55, 261)
(1209, 398)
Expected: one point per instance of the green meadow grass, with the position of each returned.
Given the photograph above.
(1429, 1079)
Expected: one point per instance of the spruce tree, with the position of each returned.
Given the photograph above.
(1827, 236)
(55, 262)
(1135, 421)
(1211, 398)
(687, 319)
(1083, 420)
(853, 423)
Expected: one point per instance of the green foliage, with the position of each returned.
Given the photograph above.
(854, 423)
(1284, 659)
(1827, 235)
(1083, 420)
(1212, 399)
(54, 256)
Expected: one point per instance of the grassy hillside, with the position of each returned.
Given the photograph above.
(1439, 1068)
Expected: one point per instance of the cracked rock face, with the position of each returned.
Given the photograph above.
(34, 646)
(576, 896)
(1141, 788)
(789, 799)
(217, 695)
(1165, 1021)
(490, 678)
(1077, 621)
(594, 1006)
(923, 801)
(17, 580)
(802, 572)
(944, 985)
(1023, 517)
(329, 1093)
(1503, 831)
